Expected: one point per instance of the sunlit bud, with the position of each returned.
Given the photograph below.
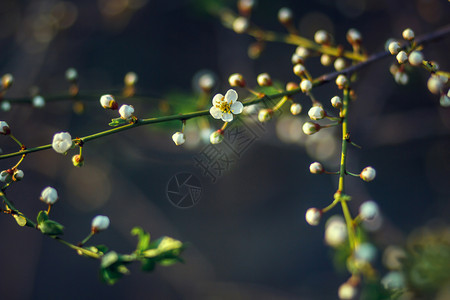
(100, 223)
(365, 252)
(206, 82)
(285, 15)
(401, 78)
(6, 176)
(316, 168)
(178, 138)
(394, 280)
(264, 79)
(130, 79)
(394, 47)
(353, 36)
(240, 24)
(18, 175)
(340, 64)
(216, 137)
(302, 51)
(126, 111)
(369, 210)
(444, 100)
(49, 195)
(316, 113)
(402, 57)
(296, 108)
(322, 37)
(78, 160)
(71, 74)
(336, 102)
(310, 128)
(368, 174)
(299, 69)
(245, 6)
(265, 115)
(290, 86)
(335, 231)
(296, 59)
(38, 101)
(62, 142)
(326, 59)
(415, 58)
(108, 102)
(408, 34)
(236, 79)
(341, 81)
(4, 128)
(313, 216)
(7, 80)
(305, 85)
(347, 291)
(5, 105)
(435, 84)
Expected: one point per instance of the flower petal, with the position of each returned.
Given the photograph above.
(227, 117)
(215, 112)
(237, 107)
(231, 96)
(217, 99)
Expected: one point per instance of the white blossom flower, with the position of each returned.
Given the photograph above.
(296, 108)
(368, 174)
(316, 168)
(408, 34)
(394, 47)
(264, 79)
(4, 128)
(62, 142)
(126, 111)
(285, 15)
(100, 223)
(38, 101)
(415, 58)
(369, 210)
(402, 57)
(305, 85)
(49, 195)
(316, 113)
(225, 106)
(336, 101)
(310, 128)
(216, 137)
(313, 216)
(178, 138)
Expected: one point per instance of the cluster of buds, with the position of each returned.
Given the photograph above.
(11, 175)
(437, 85)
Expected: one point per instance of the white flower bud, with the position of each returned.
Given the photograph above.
(435, 84)
(369, 210)
(265, 115)
(401, 78)
(216, 137)
(130, 79)
(296, 108)
(368, 174)
(335, 231)
(415, 58)
(178, 138)
(346, 291)
(310, 128)
(394, 280)
(62, 142)
(5, 105)
(402, 57)
(353, 36)
(285, 15)
(236, 79)
(444, 101)
(408, 34)
(38, 101)
(18, 175)
(49, 195)
(340, 64)
(108, 102)
(326, 59)
(296, 59)
(316, 113)
(71, 74)
(264, 79)
(4, 128)
(313, 216)
(126, 111)
(341, 81)
(316, 168)
(7, 80)
(394, 47)
(365, 252)
(240, 24)
(321, 37)
(305, 85)
(6, 176)
(302, 51)
(299, 69)
(206, 82)
(336, 102)
(100, 223)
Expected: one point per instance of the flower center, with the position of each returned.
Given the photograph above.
(224, 107)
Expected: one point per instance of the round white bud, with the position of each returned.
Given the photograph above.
(299, 69)
(62, 142)
(316, 113)
(340, 64)
(49, 195)
(310, 128)
(369, 210)
(365, 252)
(236, 79)
(130, 78)
(5, 105)
(38, 101)
(415, 58)
(71, 74)
(313, 216)
(402, 57)
(178, 138)
(18, 175)
(335, 231)
(305, 85)
(100, 223)
(321, 37)
(353, 36)
(285, 15)
(296, 108)
(240, 24)
(394, 47)
(435, 84)
(4, 128)
(265, 115)
(336, 102)
(326, 59)
(6, 176)
(108, 102)
(296, 59)
(341, 81)
(316, 168)
(408, 34)
(216, 137)
(206, 82)
(346, 291)
(264, 79)
(302, 51)
(368, 174)
(126, 111)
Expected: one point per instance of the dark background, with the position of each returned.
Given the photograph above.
(247, 236)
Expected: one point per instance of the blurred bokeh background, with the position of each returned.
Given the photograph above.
(247, 235)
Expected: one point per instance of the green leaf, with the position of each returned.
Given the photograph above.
(117, 122)
(110, 276)
(51, 227)
(143, 239)
(109, 259)
(20, 219)
(42, 217)
(148, 264)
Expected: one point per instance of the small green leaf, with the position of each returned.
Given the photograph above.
(109, 259)
(20, 219)
(110, 276)
(117, 122)
(143, 238)
(42, 217)
(51, 227)
(148, 264)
